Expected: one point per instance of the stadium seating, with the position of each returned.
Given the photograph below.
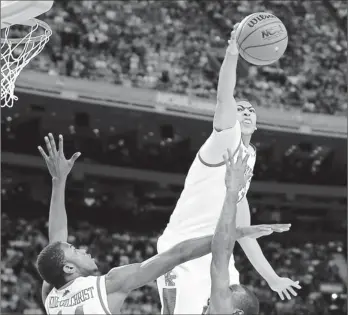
(170, 46)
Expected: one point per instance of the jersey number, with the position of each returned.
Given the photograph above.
(78, 311)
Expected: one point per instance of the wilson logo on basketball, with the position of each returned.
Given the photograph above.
(260, 18)
(272, 32)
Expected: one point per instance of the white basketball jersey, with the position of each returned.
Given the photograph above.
(85, 295)
(199, 206)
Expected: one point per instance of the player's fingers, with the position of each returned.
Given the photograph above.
(281, 228)
(233, 33)
(49, 148)
(264, 233)
(280, 293)
(296, 284)
(282, 225)
(265, 228)
(43, 153)
(288, 296)
(226, 160)
(53, 143)
(240, 156)
(230, 155)
(74, 157)
(60, 145)
(245, 160)
(258, 231)
(292, 291)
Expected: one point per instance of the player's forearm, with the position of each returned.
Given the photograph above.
(58, 222)
(255, 255)
(191, 249)
(225, 232)
(226, 109)
(227, 77)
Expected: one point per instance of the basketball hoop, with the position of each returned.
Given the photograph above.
(16, 53)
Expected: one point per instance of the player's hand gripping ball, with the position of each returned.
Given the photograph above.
(261, 38)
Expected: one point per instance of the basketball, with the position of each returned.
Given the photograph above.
(261, 38)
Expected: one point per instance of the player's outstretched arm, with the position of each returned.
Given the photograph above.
(127, 278)
(252, 249)
(59, 168)
(124, 279)
(226, 132)
(226, 108)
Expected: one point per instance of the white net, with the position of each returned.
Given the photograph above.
(17, 53)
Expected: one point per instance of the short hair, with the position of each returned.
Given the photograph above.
(244, 299)
(50, 263)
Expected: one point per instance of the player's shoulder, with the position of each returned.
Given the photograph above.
(217, 144)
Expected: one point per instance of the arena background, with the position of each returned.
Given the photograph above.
(132, 85)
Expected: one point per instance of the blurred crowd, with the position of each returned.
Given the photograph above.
(22, 239)
(176, 46)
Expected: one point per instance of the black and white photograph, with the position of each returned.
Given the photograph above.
(174, 157)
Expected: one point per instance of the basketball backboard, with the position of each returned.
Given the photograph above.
(16, 52)
(14, 12)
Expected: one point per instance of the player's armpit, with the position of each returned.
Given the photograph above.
(45, 290)
(217, 144)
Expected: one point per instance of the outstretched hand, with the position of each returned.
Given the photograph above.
(235, 176)
(58, 166)
(284, 286)
(256, 231)
(232, 41)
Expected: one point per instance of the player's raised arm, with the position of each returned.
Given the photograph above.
(226, 132)
(225, 116)
(59, 168)
(226, 235)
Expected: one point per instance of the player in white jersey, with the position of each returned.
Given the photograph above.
(200, 203)
(70, 285)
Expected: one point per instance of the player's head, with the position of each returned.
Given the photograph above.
(244, 301)
(60, 262)
(246, 115)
